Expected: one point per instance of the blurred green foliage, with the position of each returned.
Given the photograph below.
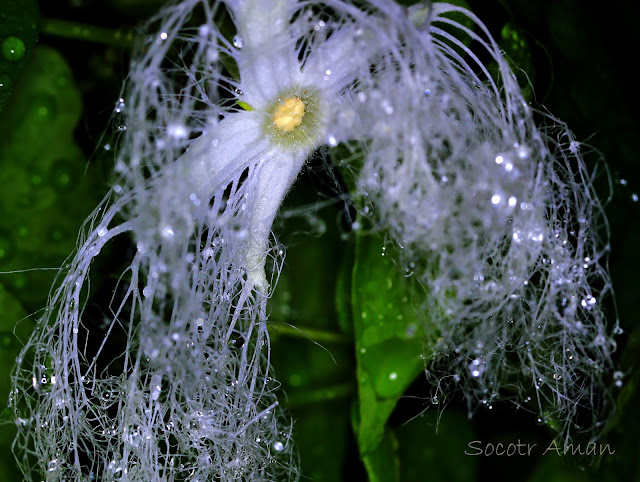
(18, 31)
(46, 195)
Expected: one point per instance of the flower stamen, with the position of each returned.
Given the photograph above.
(288, 115)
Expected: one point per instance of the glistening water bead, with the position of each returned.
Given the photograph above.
(476, 368)
(13, 48)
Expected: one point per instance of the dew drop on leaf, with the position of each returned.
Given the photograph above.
(13, 48)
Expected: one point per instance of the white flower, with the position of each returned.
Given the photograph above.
(292, 95)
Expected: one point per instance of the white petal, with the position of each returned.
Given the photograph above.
(267, 61)
(260, 22)
(223, 152)
(275, 175)
(267, 72)
(340, 59)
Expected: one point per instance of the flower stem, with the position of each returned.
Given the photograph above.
(87, 33)
(308, 397)
(308, 333)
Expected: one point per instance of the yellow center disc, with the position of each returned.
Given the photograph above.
(288, 115)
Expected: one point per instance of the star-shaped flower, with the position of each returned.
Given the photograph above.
(293, 99)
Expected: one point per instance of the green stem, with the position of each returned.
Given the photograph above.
(87, 33)
(308, 397)
(318, 336)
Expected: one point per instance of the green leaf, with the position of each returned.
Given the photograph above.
(18, 31)
(388, 352)
(382, 464)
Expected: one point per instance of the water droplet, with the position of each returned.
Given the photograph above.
(114, 467)
(167, 232)
(238, 42)
(495, 199)
(120, 105)
(476, 367)
(393, 376)
(333, 141)
(387, 107)
(203, 30)
(5, 81)
(177, 131)
(156, 386)
(427, 92)
(574, 147)
(634, 197)
(63, 174)
(132, 436)
(212, 55)
(618, 331)
(588, 302)
(278, 447)
(43, 107)
(13, 48)
(52, 466)
(523, 152)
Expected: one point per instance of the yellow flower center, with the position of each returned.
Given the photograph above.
(288, 115)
